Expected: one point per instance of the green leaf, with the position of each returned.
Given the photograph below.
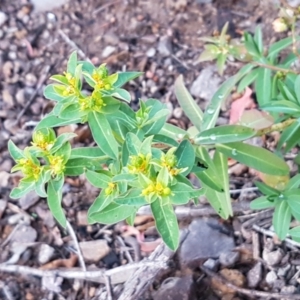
(172, 131)
(40, 184)
(124, 177)
(297, 88)
(54, 192)
(282, 219)
(266, 189)
(275, 48)
(15, 152)
(88, 152)
(124, 77)
(295, 232)
(53, 121)
(163, 139)
(290, 137)
(102, 134)
(132, 197)
(98, 180)
(72, 63)
(247, 80)
(22, 189)
(224, 134)
(188, 104)
(121, 94)
(133, 143)
(111, 214)
(261, 203)
(221, 61)
(263, 86)
(181, 193)
(63, 138)
(258, 39)
(71, 112)
(166, 222)
(255, 157)
(251, 45)
(146, 145)
(212, 111)
(221, 165)
(293, 183)
(293, 199)
(51, 94)
(282, 106)
(77, 166)
(99, 203)
(163, 176)
(185, 155)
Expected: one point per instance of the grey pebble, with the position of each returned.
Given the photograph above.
(45, 254)
(164, 46)
(151, 52)
(274, 257)
(3, 18)
(254, 275)
(228, 259)
(271, 277)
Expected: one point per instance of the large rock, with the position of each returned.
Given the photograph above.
(205, 240)
(93, 251)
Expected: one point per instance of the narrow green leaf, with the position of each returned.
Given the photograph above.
(263, 86)
(212, 111)
(98, 180)
(54, 192)
(293, 183)
(295, 232)
(185, 155)
(63, 138)
(290, 137)
(88, 152)
(124, 77)
(188, 104)
(282, 106)
(258, 39)
(247, 80)
(181, 193)
(282, 219)
(266, 189)
(100, 203)
(53, 121)
(133, 143)
(172, 131)
(77, 166)
(132, 197)
(15, 152)
(22, 189)
(255, 157)
(121, 94)
(72, 63)
(261, 203)
(102, 134)
(275, 48)
(224, 134)
(111, 214)
(221, 61)
(166, 222)
(163, 139)
(297, 88)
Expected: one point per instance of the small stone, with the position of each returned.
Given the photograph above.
(204, 241)
(278, 284)
(283, 271)
(177, 113)
(12, 55)
(288, 290)
(228, 259)
(174, 288)
(20, 96)
(254, 276)
(206, 84)
(274, 257)
(3, 18)
(151, 52)
(45, 254)
(29, 200)
(82, 218)
(203, 1)
(108, 51)
(271, 277)
(3, 204)
(211, 264)
(30, 80)
(111, 38)
(25, 234)
(93, 251)
(68, 200)
(165, 46)
(7, 98)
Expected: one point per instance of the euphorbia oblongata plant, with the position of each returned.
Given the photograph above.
(139, 159)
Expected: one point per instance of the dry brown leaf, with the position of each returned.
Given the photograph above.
(58, 263)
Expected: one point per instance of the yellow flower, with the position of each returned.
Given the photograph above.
(57, 165)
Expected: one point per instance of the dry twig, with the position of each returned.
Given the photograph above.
(78, 250)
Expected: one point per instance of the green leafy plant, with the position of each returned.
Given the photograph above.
(139, 159)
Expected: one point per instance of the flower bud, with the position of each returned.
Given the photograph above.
(279, 25)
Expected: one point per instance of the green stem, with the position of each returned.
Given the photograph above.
(274, 68)
(276, 127)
